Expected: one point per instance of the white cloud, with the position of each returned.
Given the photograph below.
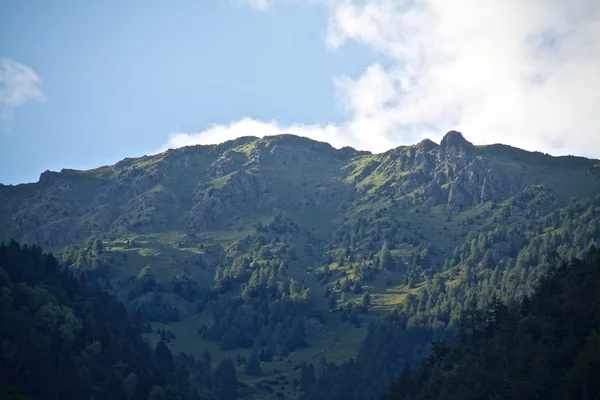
(521, 72)
(261, 5)
(512, 71)
(250, 127)
(19, 85)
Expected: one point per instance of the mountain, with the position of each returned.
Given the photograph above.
(292, 256)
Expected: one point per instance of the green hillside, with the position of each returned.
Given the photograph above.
(544, 347)
(321, 271)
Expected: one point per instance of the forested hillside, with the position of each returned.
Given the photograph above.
(546, 346)
(61, 339)
(470, 277)
(317, 272)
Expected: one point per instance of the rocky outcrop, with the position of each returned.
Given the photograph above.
(228, 163)
(454, 145)
(452, 173)
(478, 183)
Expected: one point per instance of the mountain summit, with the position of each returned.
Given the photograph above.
(455, 141)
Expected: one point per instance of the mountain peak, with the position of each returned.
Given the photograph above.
(426, 145)
(455, 140)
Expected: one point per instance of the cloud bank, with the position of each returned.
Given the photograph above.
(251, 127)
(520, 72)
(19, 85)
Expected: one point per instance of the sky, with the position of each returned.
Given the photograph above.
(85, 84)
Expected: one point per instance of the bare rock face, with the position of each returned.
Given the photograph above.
(471, 178)
(454, 145)
(477, 183)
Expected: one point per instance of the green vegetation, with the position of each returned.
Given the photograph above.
(78, 342)
(545, 347)
(331, 268)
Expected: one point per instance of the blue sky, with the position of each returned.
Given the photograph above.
(119, 76)
(84, 84)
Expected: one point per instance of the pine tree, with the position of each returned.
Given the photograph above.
(307, 376)
(366, 299)
(253, 366)
(293, 288)
(165, 373)
(385, 257)
(226, 379)
(98, 247)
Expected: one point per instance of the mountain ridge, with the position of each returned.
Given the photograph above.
(250, 153)
(345, 149)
